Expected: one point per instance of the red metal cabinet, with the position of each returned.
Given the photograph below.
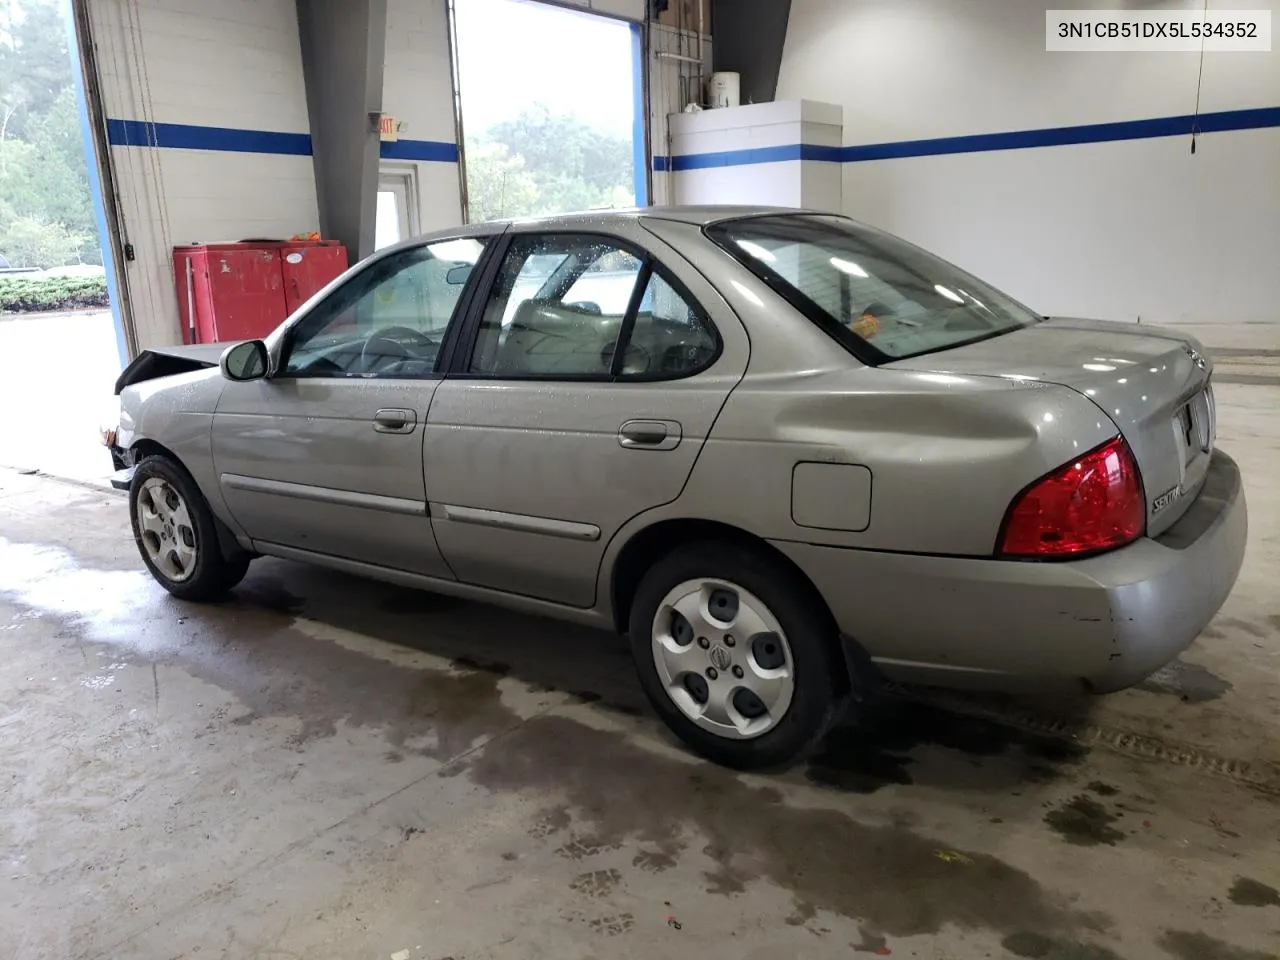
(241, 291)
(307, 267)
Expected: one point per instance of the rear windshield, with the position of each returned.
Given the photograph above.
(881, 297)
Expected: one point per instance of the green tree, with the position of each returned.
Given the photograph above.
(35, 65)
(62, 178)
(31, 242)
(498, 185)
(570, 164)
(44, 181)
(41, 184)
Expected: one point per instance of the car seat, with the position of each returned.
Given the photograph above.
(545, 337)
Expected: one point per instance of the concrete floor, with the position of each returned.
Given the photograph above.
(323, 767)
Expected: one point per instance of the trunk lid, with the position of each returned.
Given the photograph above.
(1153, 384)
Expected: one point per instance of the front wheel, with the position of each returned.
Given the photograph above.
(177, 534)
(735, 655)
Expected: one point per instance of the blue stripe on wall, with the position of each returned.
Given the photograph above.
(433, 151)
(138, 133)
(1221, 122)
(736, 158)
(183, 136)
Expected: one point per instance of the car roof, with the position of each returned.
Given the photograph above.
(700, 214)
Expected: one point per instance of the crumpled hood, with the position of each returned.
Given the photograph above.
(155, 362)
(209, 353)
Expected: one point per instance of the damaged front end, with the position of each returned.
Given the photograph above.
(114, 432)
(150, 364)
(110, 429)
(156, 362)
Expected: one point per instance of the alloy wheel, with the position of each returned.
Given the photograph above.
(167, 530)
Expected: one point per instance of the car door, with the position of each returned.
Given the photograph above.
(587, 382)
(325, 454)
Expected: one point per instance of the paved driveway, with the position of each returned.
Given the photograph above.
(56, 377)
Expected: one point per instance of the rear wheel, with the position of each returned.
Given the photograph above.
(735, 655)
(177, 534)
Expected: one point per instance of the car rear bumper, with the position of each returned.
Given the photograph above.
(1102, 623)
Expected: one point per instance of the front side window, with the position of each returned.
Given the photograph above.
(388, 320)
(883, 298)
(562, 304)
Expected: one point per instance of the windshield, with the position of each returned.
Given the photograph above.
(881, 297)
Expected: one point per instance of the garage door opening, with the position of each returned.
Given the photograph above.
(551, 109)
(60, 350)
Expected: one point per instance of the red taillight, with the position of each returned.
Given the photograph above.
(1092, 504)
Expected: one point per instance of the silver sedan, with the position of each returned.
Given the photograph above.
(787, 454)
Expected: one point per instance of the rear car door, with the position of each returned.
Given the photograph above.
(325, 454)
(586, 383)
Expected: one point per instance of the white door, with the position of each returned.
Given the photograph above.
(397, 213)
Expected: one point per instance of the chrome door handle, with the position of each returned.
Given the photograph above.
(394, 420)
(649, 434)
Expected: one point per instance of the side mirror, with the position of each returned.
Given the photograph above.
(457, 276)
(244, 361)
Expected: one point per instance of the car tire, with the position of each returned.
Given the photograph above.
(177, 533)
(709, 714)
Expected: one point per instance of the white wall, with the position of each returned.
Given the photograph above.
(417, 88)
(753, 128)
(628, 9)
(672, 84)
(231, 64)
(1116, 230)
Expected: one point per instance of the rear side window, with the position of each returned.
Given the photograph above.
(881, 297)
(577, 306)
(670, 337)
